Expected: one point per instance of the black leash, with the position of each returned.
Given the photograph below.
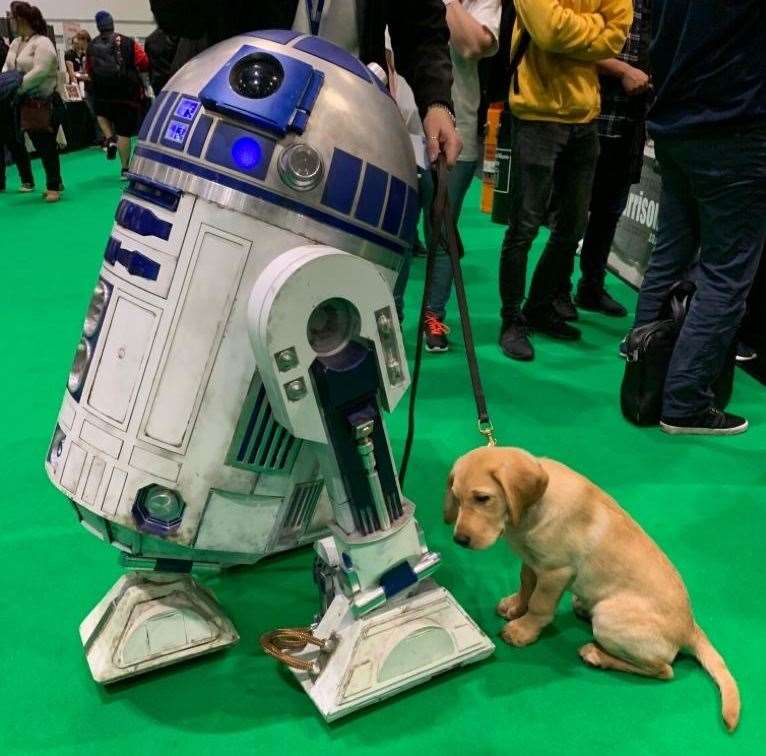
(444, 230)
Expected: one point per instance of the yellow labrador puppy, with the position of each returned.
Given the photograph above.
(572, 536)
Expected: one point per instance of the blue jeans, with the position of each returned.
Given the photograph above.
(441, 280)
(713, 203)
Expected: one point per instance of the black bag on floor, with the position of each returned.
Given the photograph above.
(649, 349)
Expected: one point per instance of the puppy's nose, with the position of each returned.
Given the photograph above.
(462, 540)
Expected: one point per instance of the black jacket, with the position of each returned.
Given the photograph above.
(418, 29)
(708, 64)
(161, 51)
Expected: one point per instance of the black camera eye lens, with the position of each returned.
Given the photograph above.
(257, 76)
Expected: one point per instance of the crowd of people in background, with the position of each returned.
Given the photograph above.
(587, 77)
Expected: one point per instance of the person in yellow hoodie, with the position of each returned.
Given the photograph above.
(554, 101)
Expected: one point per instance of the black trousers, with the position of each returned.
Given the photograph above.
(9, 138)
(611, 188)
(47, 149)
(547, 159)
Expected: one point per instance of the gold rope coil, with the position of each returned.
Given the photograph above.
(278, 642)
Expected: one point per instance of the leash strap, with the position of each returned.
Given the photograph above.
(444, 231)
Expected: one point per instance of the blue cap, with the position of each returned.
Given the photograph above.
(104, 21)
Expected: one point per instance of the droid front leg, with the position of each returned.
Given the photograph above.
(328, 347)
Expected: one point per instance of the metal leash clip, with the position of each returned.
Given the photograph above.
(488, 431)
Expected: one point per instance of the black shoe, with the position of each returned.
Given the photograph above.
(418, 250)
(551, 324)
(436, 333)
(124, 174)
(745, 353)
(712, 422)
(514, 340)
(599, 300)
(564, 307)
(111, 149)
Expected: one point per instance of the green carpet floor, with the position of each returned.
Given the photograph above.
(702, 500)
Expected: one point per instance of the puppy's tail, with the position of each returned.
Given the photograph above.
(715, 666)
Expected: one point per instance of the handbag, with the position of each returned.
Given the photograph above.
(649, 350)
(36, 114)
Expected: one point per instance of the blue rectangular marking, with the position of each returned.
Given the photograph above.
(397, 579)
(340, 187)
(187, 108)
(392, 220)
(267, 196)
(411, 208)
(372, 196)
(150, 116)
(153, 191)
(176, 134)
(199, 135)
(141, 221)
(225, 137)
(159, 124)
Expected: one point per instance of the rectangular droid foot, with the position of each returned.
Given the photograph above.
(401, 645)
(151, 620)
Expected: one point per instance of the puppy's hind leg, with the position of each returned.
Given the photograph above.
(595, 656)
(630, 638)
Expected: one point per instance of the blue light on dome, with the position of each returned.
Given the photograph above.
(246, 153)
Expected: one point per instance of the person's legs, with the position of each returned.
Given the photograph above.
(678, 234)
(106, 127)
(535, 147)
(123, 147)
(572, 184)
(9, 138)
(47, 149)
(611, 187)
(441, 282)
(728, 177)
(105, 118)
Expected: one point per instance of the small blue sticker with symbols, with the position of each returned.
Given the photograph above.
(187, 108)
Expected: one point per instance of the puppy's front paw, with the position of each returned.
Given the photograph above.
(520, 633)
(511, 607)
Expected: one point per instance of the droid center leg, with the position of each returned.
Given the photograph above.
(389, 625)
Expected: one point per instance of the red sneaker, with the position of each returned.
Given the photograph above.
(435, 332)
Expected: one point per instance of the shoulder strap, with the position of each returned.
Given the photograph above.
(517, 55)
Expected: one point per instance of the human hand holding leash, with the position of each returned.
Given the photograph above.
(441, 134)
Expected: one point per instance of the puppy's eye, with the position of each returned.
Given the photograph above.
(481, 498)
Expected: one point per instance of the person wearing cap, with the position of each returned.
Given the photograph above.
(114, 62)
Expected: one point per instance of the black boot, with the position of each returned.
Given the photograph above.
(597, 299)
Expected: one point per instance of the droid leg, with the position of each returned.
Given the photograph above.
(150, 620)
(389, 626)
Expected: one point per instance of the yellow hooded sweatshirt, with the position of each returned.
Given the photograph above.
(557, 79)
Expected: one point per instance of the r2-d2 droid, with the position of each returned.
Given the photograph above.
(227, 395)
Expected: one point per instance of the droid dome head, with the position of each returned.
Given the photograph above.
(294, 131)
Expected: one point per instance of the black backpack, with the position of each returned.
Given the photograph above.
(111, 73)
(649, 349)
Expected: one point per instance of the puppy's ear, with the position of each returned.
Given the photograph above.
(450, 502)
(523, 481)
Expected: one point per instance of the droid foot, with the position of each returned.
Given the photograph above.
(151, 620)
(398, 646)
